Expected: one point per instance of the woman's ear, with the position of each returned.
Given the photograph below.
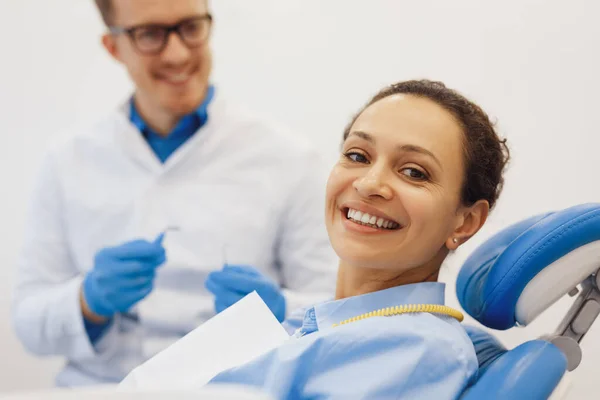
(473, 218)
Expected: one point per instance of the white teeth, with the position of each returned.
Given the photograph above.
(178, 78)
(365, 218)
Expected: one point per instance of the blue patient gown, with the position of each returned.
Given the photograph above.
(409, 356)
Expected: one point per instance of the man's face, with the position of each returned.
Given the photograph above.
(173, 81)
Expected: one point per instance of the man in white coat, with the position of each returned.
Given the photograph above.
(167, 211)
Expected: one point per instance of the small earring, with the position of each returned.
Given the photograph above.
(455, 240)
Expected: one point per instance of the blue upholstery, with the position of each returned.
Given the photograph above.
(530, 371)
(488, 288)
(487, 347)
(493, 277)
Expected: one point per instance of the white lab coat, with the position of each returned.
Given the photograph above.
(241, 190)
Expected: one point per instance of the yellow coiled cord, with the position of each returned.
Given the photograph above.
(406, 309)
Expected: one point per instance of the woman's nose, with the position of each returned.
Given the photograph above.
(373, 184)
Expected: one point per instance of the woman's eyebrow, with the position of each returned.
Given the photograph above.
(363, 135)
(407, 148)
(411, 148)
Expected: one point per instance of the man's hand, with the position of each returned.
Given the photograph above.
(232, 283)
(121, 277)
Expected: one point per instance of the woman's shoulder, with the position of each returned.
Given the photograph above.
(425, 347)
(439, 335)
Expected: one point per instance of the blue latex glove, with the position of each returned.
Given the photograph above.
(232, 283)
(122, 276)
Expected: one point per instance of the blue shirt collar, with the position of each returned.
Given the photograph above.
(197, 118)
(332, 312)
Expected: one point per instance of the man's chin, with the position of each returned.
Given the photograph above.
(181, 109)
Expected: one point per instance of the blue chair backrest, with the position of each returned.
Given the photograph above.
(492, 287)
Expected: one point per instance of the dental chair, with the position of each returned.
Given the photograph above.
(511, 279)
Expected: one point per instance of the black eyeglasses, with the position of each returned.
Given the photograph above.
(152, 39)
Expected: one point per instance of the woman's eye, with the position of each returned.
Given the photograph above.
(356, 157)
(414, 173)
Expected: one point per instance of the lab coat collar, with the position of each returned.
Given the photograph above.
(136, 146)
(201, 113)
(334, 312)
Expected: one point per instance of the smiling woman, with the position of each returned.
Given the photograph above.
(420, 168)
(426, 160)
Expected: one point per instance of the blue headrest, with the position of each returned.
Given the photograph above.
(491, 280)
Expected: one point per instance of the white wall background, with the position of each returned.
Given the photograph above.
(533, 64)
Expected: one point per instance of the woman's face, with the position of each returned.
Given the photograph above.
(393, 199)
